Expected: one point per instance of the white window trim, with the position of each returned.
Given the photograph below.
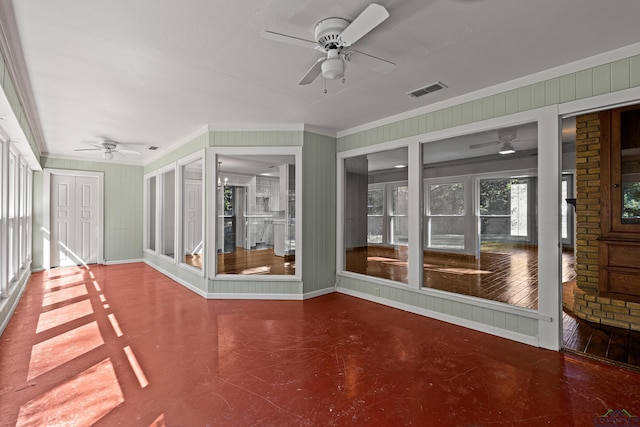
(145, 212)
(340, 203)
(4, 214)
(160, 197)
(212, 215)
(549, 311)
(200, 154)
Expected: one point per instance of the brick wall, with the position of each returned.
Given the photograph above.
(588, 201)
(588, 304)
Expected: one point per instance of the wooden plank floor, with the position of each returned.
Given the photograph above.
(601, 341)
(262, 261)
(504, 273)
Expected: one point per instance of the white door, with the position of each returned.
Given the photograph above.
(74, 220)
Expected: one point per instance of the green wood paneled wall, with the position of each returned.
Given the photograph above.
(122, 207)
(607, 78)
(319, 212)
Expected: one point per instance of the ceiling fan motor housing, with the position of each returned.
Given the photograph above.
(327, 32)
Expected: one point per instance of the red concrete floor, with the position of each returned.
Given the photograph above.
(126, 346)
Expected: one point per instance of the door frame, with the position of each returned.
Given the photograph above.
(46, 212)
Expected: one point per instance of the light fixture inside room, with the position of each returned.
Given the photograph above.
(400, 166)
(507, 148)
(333, 66)
(108, 155)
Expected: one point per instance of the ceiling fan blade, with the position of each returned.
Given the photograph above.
(484, 144)
(126, 151)
(373, 63)
(88, 149)
(283, 38)
(313, 72)
(370, 18)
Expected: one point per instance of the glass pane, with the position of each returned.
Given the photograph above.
(488, 248)
(399, 230)
(399, 200)
(256, 214)
(446, 199)
(375, 202)
(446, 232)
(374, 229)
(495, 228)
(192, 214)
(631, 202)
(519, 209)
(376, 215)
(494, 197)
(630, 166)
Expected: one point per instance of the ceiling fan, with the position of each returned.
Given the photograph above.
(108, 148)
(334, 37)
(507, 137)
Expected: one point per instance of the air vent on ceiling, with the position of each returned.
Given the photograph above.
(153, 147)
(426, 89)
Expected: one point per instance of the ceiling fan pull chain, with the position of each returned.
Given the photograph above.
(325, 86)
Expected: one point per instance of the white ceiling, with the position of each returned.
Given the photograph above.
(156, 71)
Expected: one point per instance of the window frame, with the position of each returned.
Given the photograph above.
(161, 199)
(212, 215)
(341, 170)
(180, 164)
(525, 174)
(470, 240)
(149, 210)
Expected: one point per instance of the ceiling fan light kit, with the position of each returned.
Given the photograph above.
(333, 66)
(507, 148)
(334, 37)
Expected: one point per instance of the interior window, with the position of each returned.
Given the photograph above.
(192, 213)
(256, 199)
(150, 204)
(376, 214)
(480, 199)
(445, 215)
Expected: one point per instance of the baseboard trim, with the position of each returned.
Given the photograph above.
(241, 296)
(184, 283)
(251, 296)
(319, 293)
(123, 261)
(492, 330)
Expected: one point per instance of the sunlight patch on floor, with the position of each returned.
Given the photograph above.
(133, 361)
(256, 270)
(59, 316)
(63, 348)
(81, 401)
(56, 297)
